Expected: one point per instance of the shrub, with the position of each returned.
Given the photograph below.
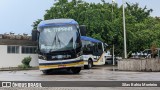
(22, 66)
(26, 61)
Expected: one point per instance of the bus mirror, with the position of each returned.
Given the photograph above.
(82, 30)
(35, 35)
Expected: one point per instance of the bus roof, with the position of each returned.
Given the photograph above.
(90, 39)
(56, 22)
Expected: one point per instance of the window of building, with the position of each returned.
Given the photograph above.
(28, 50)
(12, 49)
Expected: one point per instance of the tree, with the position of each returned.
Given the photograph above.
(35, 24)
(103, 25)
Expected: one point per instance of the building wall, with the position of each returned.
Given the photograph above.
(14, 59)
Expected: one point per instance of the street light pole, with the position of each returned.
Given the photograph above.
(124, 29)
(113, 38)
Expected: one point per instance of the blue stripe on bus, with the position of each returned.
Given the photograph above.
(57, 22)
(55, 63)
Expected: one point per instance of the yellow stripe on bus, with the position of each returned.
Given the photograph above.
(65, 65)
(101, 57)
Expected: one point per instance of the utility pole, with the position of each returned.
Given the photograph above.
(124, 30)
(113, 37)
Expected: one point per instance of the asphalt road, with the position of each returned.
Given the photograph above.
(102, 73)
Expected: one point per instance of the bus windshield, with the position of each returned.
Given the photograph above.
(58, 38)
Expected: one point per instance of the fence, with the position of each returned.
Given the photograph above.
(139, 64)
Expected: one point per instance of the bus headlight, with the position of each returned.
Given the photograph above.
(42, 57)
(78, 54)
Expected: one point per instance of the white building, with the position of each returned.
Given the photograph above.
(13, 51)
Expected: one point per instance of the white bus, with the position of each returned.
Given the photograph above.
(93, 52)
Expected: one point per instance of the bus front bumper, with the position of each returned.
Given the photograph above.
(62, 65)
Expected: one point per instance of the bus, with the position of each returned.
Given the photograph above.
(59, 45)
(93, 52)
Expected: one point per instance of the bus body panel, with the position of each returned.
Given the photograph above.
(99, 61)
(86, 58)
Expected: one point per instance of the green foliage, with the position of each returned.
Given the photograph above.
(35, 24)
(142, 29)
(26, 61)
(22, 66)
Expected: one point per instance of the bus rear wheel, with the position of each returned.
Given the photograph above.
(75, 70)
(90, 64)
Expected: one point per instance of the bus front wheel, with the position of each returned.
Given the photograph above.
(46, 72)
(75, 70)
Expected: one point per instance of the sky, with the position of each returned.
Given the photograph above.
(18, 15)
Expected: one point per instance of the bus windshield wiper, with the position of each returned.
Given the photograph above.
(56, 42)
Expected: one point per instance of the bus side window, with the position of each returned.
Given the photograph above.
(88, 46)
(99, 46)
(85, 47)
(100, 50)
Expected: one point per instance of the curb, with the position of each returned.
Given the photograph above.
(18, 69)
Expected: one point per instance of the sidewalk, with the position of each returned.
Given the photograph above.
(17, 68)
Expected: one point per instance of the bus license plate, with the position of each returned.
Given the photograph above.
(61, 66)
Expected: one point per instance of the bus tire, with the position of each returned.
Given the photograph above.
(90, 64)
(75, 70)
(46, 72)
